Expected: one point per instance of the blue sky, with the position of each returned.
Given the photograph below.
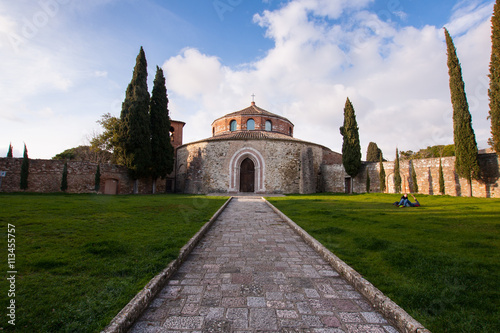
(64, 63)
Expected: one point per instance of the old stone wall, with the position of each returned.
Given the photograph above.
(427, 171)
(211, 166)
(45, 176)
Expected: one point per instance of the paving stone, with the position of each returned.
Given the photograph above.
(252, 273)
(374, 317)
(263, 319)
(256, 302)
(184, 323)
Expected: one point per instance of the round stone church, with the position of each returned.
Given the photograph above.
(252, 151)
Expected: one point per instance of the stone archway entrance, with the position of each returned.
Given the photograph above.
(235, 169)
(247, 176)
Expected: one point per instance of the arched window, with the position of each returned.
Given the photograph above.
(290, 131)
(269, 126)
(233, 125)
(250, 124)
(213, 131)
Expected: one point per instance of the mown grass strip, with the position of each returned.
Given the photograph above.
(81, 258)
(440, 262)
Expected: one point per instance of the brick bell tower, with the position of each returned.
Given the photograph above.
(176, 133)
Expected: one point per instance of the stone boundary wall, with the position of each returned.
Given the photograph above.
(427, 170)
(45, 176)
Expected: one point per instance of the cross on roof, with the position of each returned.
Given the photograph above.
(253, 97)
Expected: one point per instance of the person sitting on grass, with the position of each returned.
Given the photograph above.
(405, 202)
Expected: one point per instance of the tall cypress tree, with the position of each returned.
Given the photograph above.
(494, 91)
(25, 167)
(414, 178)
(162, 162)
(382, 176)
(351, 148)
(466, 164)
(97, 178)
(64, 181)
(442, 188)
(397, 175)
(135, 131)
(9, 153)
(368, 182)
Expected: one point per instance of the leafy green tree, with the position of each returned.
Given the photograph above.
(135, 129)
(351, 148)
(429, 152)
(397, 174)
(64, 181)
(414, 179)
(373, 153)
(108, 140)
(84, 153)
(25, 167)
(9, 153)
(97, 178)
(382, 176)
(494, 91)
(162, 162)
(441, 178)
(466, 164)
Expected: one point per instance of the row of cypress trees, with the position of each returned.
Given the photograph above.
(466, 152)
(144, 145)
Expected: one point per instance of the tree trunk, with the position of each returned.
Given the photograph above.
(154, 186)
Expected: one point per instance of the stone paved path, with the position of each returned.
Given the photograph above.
(252, 273)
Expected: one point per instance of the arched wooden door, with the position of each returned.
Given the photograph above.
(247, 176)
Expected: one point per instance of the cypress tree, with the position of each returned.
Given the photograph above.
(9, 153)
(373, 153)
(351, 148)
(494, 91)
(414, 178)
(466, 164)
(97, 179)
(25, 166)
(382, 176)
(397, 175)
(441, 178)
(162, 161)
(64, 181)
(135, 131)
(367, 182)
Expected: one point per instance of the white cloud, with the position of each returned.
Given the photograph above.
(396, 77)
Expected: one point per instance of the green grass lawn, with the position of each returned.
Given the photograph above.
(440, 262)
(82, 258)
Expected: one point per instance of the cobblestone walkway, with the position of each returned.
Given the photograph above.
(252, 273)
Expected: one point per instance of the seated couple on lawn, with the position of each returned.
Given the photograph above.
(404, 202)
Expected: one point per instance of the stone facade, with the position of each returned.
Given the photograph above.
(281, 166)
